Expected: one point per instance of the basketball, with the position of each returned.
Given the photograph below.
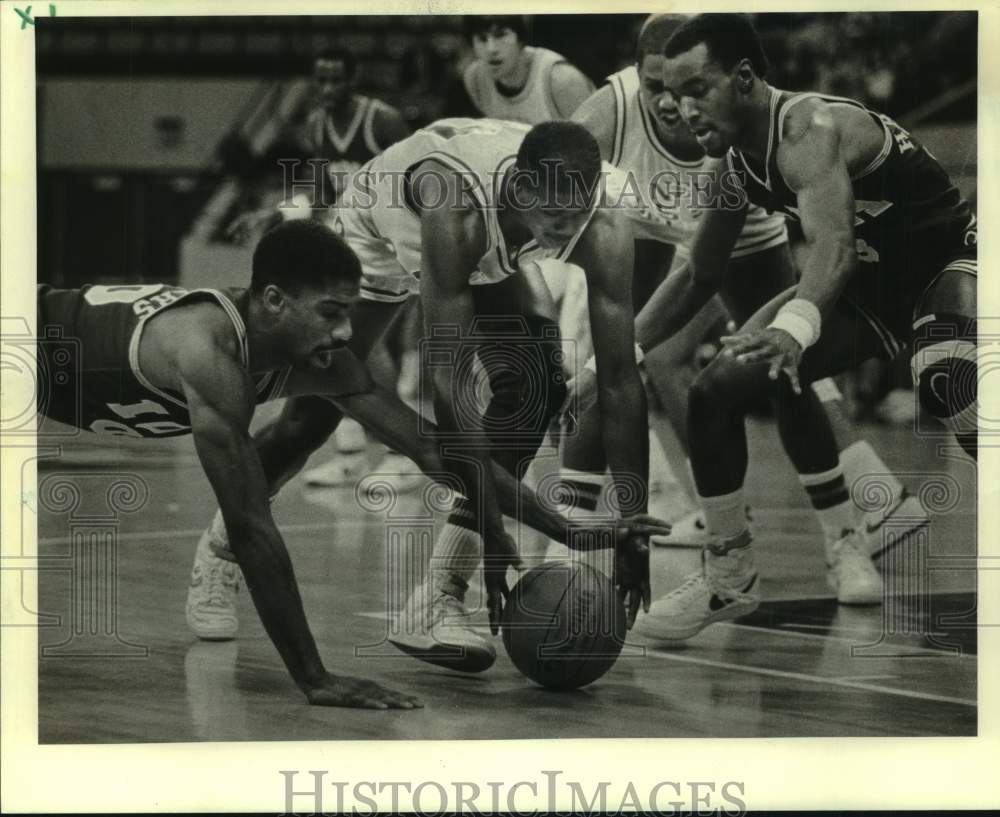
(563, 627)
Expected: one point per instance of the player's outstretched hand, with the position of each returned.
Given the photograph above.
(773, 346)
(499, 553)
(581, 394)
(641, 524)
(632, 576)
(345, 690)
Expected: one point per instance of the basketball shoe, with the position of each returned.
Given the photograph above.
(851, 572)
(435, 627)
(725, 588)
(884, 530)
(211, 600)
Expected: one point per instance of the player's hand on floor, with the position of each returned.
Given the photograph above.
(581, 394)
(773, 346)
(346, 690)
(632, 576)
(499, 553)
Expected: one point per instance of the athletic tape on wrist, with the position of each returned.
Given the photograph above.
(800, 319)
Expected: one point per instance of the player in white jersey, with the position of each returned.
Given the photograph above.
(461, 212)
(640, 131)
(517, 82)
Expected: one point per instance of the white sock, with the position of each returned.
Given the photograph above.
(834, 509)
(218, 539)
(582, 493)
(457, 552)
(860, 462)
(725, 515)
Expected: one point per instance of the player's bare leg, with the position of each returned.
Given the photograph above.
(523, 374)
(727, 585)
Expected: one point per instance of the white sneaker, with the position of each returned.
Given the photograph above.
(689, 532)
(343, 470)
(439, 631)
(211, 600)
(725, 588)
(882, 532)
(851, 572)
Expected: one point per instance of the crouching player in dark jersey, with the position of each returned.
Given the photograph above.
(160, 361)
(891, 261)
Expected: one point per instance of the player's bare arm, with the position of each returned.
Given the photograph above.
(606, 254)
(453, 239)
(220, 397)
(686, 290)
(569, 87)
(813, 165)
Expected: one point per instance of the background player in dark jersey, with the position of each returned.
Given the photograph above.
(161, 361)
(890, 260)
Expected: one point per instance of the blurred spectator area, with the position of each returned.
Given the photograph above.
(136, 116)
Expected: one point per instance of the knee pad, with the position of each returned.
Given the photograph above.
(944, 366)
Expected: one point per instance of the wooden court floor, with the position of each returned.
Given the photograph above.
(117, 663)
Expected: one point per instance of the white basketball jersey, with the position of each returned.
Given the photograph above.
(481, 150)
(663, 186)
(532, 104)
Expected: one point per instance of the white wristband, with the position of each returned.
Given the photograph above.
(800, 319)
(591, 364)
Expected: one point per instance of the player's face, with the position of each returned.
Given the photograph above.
(333, 85)
(318, 321)
(553, 227)
(660, 105)
(705, 96)
(498, 49)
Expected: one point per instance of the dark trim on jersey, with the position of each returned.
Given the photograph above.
(621, 112)
(387, 293)
(889, 342)
(549, 94)
(771, 145)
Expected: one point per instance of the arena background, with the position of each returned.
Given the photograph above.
(139, 170)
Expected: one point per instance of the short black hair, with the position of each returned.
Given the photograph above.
(338, 55)
(655, 32)
(564, 157)
(475, 24)
(299, 255)
(729, 38)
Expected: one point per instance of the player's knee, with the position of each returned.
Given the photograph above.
(714, 386)
(944, 367)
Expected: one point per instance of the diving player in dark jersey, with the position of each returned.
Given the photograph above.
(890, 262)
(159, 361)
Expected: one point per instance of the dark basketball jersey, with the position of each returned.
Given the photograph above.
(910, 220)
(344, 152)
(103, 325)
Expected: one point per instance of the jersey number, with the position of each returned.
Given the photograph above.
(130, 411)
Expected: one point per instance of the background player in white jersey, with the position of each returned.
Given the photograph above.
(512, 80)
(460, 212)
(639, 129)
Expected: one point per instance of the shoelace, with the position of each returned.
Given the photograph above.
(216, 586)
(687, 584)
(445, 606)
